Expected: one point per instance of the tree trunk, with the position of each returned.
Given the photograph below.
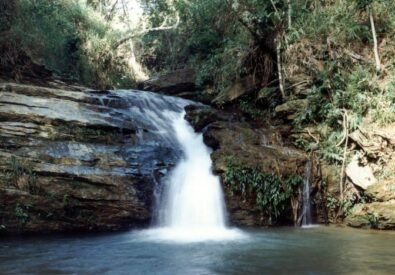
(375, 45)
(289, 14)
(345, 126)
(137, 68)
(279, 68)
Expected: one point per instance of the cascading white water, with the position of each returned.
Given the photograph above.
(192, 207)
(306, 208)
(193, 198)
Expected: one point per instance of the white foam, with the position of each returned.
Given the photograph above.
(192, 208)
(307, 226)
(192, 235)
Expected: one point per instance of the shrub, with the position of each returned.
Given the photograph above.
(21, 214)
(272, 194)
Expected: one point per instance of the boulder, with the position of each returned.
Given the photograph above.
(291, 107)
(251, 147)
(379, 215)
(361, 176)
(376, 148)
(240, 87)
(178, 82)
(199, 116)
(382, 191)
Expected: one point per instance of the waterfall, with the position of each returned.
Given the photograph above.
(193, 198)
(306, 207)
(191, 206)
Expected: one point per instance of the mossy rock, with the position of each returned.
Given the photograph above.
(377, 215)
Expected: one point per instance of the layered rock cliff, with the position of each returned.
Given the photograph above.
(72, 159)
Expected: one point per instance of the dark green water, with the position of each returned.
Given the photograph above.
(321, 250)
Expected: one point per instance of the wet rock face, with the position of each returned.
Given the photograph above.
(248, 145)
(72, 160)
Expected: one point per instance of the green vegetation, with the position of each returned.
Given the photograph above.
(272, 194)
(21, 214)
(69, 38)
(21, 176)
(224, 40)
(326, 57)
(338, 209)
(373, 220)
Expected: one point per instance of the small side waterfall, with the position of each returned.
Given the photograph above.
(306, 207)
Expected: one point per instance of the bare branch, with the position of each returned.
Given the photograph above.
(289, 14)
(110, 14)
(133, 35)
(375, 46)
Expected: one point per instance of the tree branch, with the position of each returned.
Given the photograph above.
(109, 15)
(375, 46)
(133, 35)
(289, 14)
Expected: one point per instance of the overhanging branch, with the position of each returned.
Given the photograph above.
(133, 35)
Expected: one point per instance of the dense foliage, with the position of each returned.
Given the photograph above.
(330, 63)
(69, 38)
(325, 52)
(273, 195)
(224, 40)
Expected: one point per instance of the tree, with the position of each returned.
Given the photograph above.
(368, 6)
